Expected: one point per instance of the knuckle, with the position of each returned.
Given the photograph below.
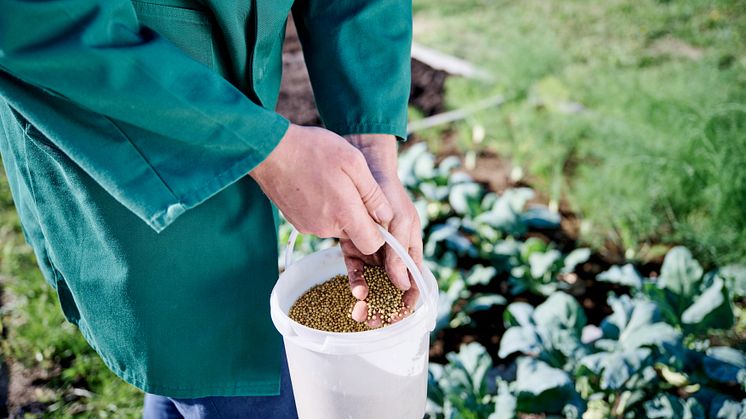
(399, 228)
(370, 247)
(392, 259)
(372, 195)
(352, 157)
(358, 157)
(416, 251)
(344, 217)
(414, 216)
(397, 265)
(416, 234)
(416, 246)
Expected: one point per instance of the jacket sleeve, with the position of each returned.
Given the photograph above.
(358, 57)
(200, 133)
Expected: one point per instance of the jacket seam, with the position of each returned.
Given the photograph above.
(369, 128)
(142, 156)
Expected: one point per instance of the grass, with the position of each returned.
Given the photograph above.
(70, 378)
(633, 111)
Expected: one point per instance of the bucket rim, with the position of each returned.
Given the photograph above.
(341, 343)
(372, 332)
(381, 336)
(414, 270)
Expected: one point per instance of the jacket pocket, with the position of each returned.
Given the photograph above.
(36, 137)
(187, 24)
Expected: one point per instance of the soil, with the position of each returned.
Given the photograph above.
(296, 95)
(493, 171)
(20, 388)
(428, 89)
(27, 388)
(4, 385)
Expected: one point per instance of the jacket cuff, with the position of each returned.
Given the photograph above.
(397, 129)
(167, 214)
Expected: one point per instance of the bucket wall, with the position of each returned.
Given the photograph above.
(385, 384)
(378, 374)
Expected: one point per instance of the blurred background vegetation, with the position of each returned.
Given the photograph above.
(632, 111)
(629, 114)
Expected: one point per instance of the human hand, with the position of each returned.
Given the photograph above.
(380, 153)
(324, 187)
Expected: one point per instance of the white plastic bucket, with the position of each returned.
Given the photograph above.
(376, 374)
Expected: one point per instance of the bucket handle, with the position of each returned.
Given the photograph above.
(398, 249)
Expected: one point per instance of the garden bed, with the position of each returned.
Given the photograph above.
(494, 260)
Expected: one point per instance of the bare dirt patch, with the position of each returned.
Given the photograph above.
(296, 95)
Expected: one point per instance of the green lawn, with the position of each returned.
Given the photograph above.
(633, 110)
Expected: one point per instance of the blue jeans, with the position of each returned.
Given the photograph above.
(259, 407)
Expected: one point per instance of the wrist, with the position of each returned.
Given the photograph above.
(270, 161)
(380, 151)
(371, 140)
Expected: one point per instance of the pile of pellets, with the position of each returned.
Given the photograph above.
(328, 306)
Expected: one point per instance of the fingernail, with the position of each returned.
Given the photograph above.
(404, 284)
(359, 312)
(383, 214)
(359, 292)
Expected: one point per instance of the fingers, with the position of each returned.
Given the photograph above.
(360, 314)
(349, 250)
(415, 244)
(375, 322)
(360, 311)
(355, 265)
(409, 299)
(353, 221)
(395, 266)
(415, 252)
(361, 230)
(370, 192)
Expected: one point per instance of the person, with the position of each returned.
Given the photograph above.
(147, 166)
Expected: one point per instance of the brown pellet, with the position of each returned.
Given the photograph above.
(328, 306)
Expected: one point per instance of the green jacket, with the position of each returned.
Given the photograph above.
(127, 131)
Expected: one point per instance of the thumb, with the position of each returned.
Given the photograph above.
(370, 192)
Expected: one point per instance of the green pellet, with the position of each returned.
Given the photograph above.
(328, 306)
